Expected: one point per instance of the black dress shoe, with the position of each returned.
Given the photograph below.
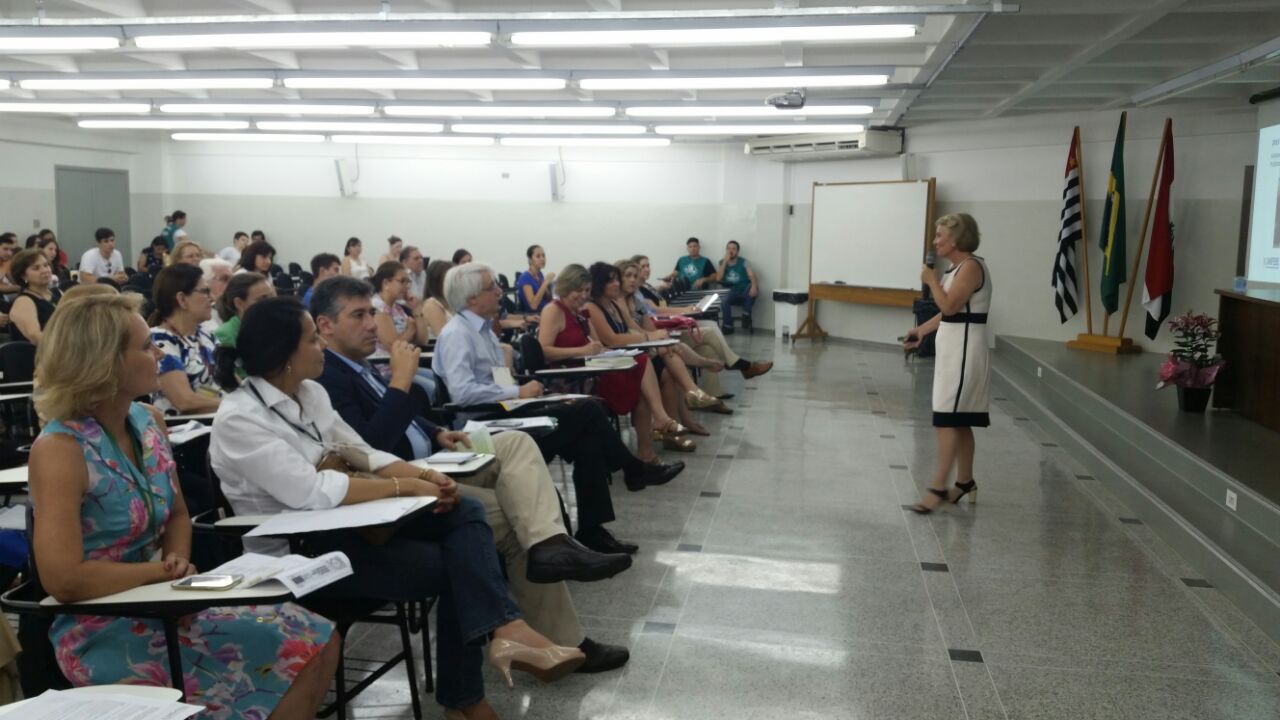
(601, 540)
(601, 657)
(661, 474)
(726, 396)
(563, 558)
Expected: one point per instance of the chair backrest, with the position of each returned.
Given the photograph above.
(295, 269)
(18, 361)
(503, 282)
(531, 352)
(305, 280)
(284, 284)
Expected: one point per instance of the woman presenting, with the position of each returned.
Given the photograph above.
(962, 372)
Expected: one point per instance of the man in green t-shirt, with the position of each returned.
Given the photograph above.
(695, 269)
(735, 273)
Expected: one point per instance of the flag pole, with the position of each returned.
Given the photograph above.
(1146, 217)
(1084, 235)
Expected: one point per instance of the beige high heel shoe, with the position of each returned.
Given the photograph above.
(701, 400)
(547, 664)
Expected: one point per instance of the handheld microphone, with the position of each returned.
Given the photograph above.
(931, 258)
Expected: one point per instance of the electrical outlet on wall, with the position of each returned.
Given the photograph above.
(1039, 371)
(35, 224)
(1231, 499)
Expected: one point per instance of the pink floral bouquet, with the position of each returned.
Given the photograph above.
(1192, 363)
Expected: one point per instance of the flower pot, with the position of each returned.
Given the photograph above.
(1192, 399)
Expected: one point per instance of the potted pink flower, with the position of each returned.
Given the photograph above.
(1193, 365)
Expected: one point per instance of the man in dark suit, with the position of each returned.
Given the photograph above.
(521, 500)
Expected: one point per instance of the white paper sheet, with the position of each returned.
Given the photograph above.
(445, 457)
(187, 432)
(374, 512)
(497, 426)
(510, 405)
(302, 575)
(55, 705)
(13, 518)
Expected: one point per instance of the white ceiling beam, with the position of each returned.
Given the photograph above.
(1122, 32)
(277, 7)
(655, 59)
(1241, 62)
(284, 59)
(527, 59)
(605, 5)
(792, 55)
(60, 63)
(403, 59)
(168, 61)
(117, 8)
(446, 6)
(937, 57)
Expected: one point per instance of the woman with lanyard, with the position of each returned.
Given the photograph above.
(533, 289)
(111, 518)
(278, 445)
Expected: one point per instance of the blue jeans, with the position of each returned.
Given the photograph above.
(451, 556)
(736, 297)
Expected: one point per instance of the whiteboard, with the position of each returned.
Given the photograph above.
(870, 234)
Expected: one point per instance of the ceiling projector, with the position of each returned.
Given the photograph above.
(793, 100)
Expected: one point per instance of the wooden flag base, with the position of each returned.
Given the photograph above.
(1104, 344)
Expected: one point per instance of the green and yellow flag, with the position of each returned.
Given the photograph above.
(1111, 239)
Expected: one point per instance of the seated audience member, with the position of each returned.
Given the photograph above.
(461, 257)
(615, 326)
(33, 306)
(259, 257)
(187, 253)
(735, 273)
(183, 301)
(675, 359)
(242, 292)
(393, 322)
(712, 343)
(232, 252)
(351, 263)
(217, 273)
(533, 289)
(8, 248)
(394, 246)
(112, 518)
(103, 261)
(47, 235)
(521, 503)
(155, 257)
(415, 264)
(257, 236)
(61, 273)
(434, 312)
(565, 334)
(174, 231)
(323, 267)
(693, 268)
(465, 356)
(278, 445)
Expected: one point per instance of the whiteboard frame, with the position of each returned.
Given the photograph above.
(925, 237)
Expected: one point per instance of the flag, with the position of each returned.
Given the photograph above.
(1157, 292)
(1111, 239)
(1066, 289)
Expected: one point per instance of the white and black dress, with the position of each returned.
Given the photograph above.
(962, 371)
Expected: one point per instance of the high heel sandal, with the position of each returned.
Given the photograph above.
(970, 488)
(671, 436)
(696, 429)
(700, 400)
(920, 509)
(547, 664)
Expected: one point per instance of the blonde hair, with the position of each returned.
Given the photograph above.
(572, 279)
(625, 263)
(89, 290)
(964, 230)
(81, 354)
(177, 250)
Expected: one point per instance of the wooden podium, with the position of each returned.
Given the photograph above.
(1108, 344)
(1250, 344)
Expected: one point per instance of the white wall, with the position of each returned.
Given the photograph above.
(31, 148)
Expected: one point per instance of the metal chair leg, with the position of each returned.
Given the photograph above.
(402, 622)
(175, 656)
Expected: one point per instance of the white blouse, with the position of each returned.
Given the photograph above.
(264, 448)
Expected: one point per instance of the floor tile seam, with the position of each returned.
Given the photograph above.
(1226, 627)
(1267, 678)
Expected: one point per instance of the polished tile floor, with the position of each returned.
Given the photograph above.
(780, 577)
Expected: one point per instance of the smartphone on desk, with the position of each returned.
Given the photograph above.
(505, 423)
(207, 582)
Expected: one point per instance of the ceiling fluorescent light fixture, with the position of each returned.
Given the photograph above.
(585, 142)
(714, 36)
(44, 43)
(411, 140)
(164, 124)
(265, 109)
(425, 83)
(169, 83)
(501, 111)
(777, 129)
(548, 129)
(345, 127)
(300, 40)
(247, 137)
(77, 108)
(747, 111)
(731, 82)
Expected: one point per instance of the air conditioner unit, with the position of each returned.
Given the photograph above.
(798, 148)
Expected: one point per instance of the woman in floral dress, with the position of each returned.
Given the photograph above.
(110, 517)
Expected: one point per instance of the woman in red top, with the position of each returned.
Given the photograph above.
(566, 335)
